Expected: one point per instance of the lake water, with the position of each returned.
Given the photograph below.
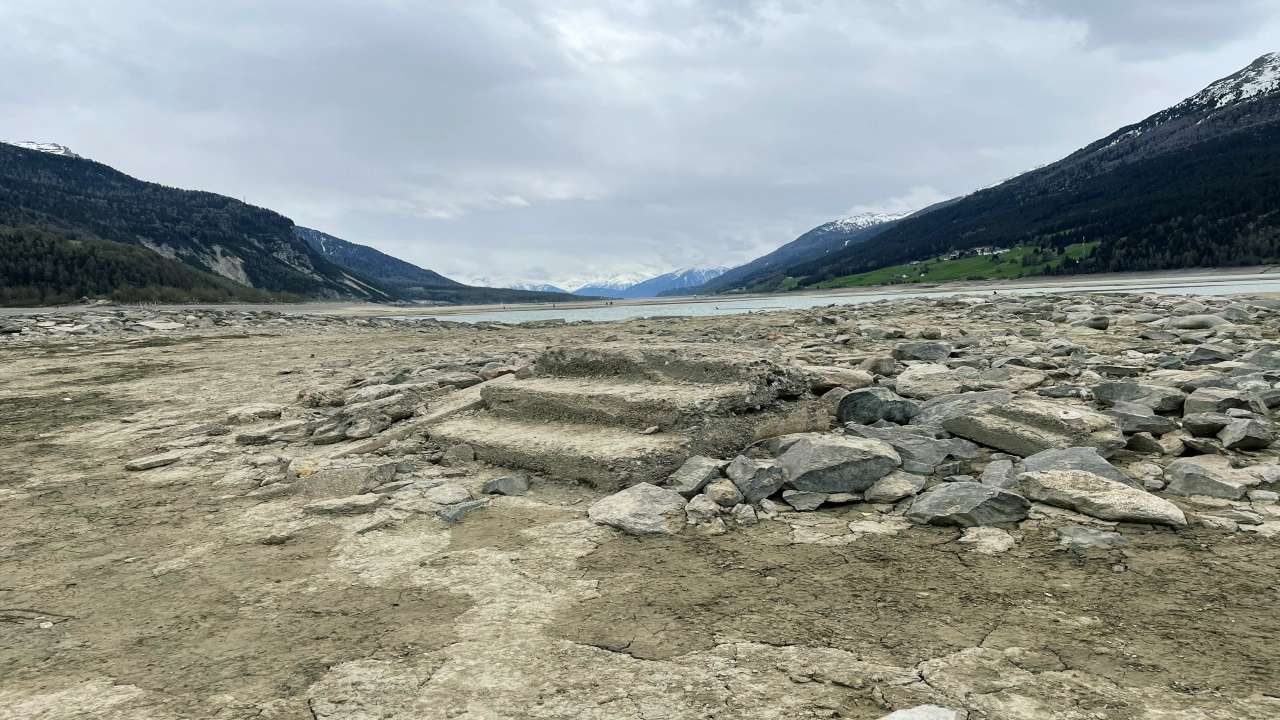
(1177, 285)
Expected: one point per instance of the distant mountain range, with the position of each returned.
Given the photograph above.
(625, 285)
(73, 227)
(1194, 185)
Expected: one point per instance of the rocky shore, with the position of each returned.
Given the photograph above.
(969, 507)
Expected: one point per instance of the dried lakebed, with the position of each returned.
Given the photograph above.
(1047, 507)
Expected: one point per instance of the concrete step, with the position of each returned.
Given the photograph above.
(606, 457)
(625, 403)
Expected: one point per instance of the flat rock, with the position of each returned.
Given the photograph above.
(694, 475)
(1245, 434)
(1075, 458)
(1210, 475)
(987, 540)
(1099, 497)
(929, 380)
(1027, 426)
(455, 512)
(939, 409)
(351, 505)
(967, 504)
(642, 509)
(153, 461)
(1159, 398)
(447, 494)
(1082, 537)
(920, 450)
(831, 463)
(825, 377)
(510, 485)
(924, 351)
(894, 487)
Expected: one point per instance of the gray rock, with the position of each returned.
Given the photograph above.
(893, 487)
(929, 380)
(1096, 322)
(701, 509)
(447, 494)
(1026, 426)
(1159, 398)
(1208, 355)
(153, 461)
(1075, 458)
(1244, 434)
(743, 515)
(824, 377)
(968, 504)
(506, 485)
(830, 463)
(940, 409)
(920, 450)
(1099, 497)
(1080, 537)
(1197, 322)
(755, 479)
(1205, 424)
(1210, 475)
(1135, 418)
(1214, 399)
(803, 501)
(453, 513)
(352, 505)
(923, 351)
(694, 475)
(723, 492)
(999, 473)
(641, 509)
(870, 405)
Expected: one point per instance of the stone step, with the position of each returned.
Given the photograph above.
(682, 363)
(604, 456)
(624, 403)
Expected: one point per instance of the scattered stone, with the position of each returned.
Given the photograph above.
(1214, 400)
(1081, 537)
(987, 540)
(1244, 434)
(1197, 322)
(510, 485)
(999, 473)
(641, 509)
(1099, 497)
(1205, 424)
(827, 463)
(967, 504)
(701, 509)
(1076, 458)
(918, 447)
(744, 515)
(938, 410)
(803, 501)
(453, 513)
(922, 351)
(823, 378)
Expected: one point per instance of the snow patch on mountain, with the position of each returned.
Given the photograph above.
(1262, 76)
(864, 220)
(51, 148)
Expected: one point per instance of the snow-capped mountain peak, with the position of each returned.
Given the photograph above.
(1260, 77)
(864, 220)
(51, 148)
(612, 282)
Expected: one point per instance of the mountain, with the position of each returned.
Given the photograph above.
(610, 286)
(1194, 185)
(768, 271)
(537, 287)
(412, 282)
(51, 148)
(70, 197)
(675, 282)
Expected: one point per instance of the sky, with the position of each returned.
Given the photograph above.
(566, 140)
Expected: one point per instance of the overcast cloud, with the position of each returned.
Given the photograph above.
(565, 139)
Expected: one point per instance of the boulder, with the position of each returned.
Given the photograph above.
(921, 451)
(1099, 497)
(1214, 400)
(1245, 434)
(871, 405)
(1159, 398)
(1210, 475)
(701, 510)
(1134, 418)
(967, 504)
(999, 473)
(755, 479)
(1197, 322)
(893, 487)
(803, 501)
(694, 475)
(939, 409)
(830, 463)
(642, 509)
(924, 351)
(825, 377)
(927, 380)
(987, 540)
(1026, 426)
(447, 494)
(723, 492)
(1205, 424)
(1075, 458)
(506, 485)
